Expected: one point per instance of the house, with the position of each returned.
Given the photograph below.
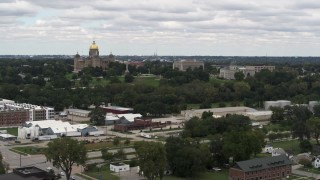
(267, 149)
(316, 162)
(278, 152)
(276, 167)
(119, 167)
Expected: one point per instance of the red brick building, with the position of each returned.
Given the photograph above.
(268, 168)
(138, 124)
(13, 117)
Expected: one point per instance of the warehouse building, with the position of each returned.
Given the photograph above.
(36, 129)
(78, 115)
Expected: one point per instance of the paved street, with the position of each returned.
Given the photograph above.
(13, 159)
(303, 173)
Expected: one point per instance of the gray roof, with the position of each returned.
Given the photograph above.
(263, 163)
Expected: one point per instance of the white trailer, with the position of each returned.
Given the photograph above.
(96, 133)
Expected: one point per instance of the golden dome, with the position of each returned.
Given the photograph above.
(94, 46)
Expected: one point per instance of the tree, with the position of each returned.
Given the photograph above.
(298, 116)
(97, 116)
(128, 78)
(66, 152)
(120, 154)
(305, 146)
(242, 144)
(316, 110)
(239, 76)
(107, 156)
(152, 159)
(127, 142)
(186, 158)
(116, 141)
(277, 114)
(305, 162)
(314, 127)
(2, 166)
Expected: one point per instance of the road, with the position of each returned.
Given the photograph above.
(303, 173)
(39, 161)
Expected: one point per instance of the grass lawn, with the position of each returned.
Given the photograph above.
(101, 145)
(69, 76)
(292, 145)
(103, 173)
(310, 170)
(275, 127)
(12, 131)
(30, 150)
(151, 81)
(296, 177)
(99, 81)
(223, 175)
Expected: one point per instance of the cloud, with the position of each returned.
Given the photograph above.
(16, 8)
(211, 24)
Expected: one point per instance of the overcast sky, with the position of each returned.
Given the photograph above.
(170, 27)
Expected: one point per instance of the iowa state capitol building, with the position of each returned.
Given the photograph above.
(93, 60)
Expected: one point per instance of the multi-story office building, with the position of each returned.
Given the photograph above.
(228, 72)
(13, 117)
(36, 112)
(184, 65)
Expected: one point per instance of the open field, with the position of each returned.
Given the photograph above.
(101, 173)
(29, 150)
(151, 81)
(310, 170)
(223, 175)
(12, 131)
(101, 145)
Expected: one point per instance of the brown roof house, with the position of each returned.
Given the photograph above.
(268, 168)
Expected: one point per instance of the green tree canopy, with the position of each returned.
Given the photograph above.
(66, 152)
(97, 116)
(314, 127)
(152, 159)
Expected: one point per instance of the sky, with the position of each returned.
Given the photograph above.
(168, 27)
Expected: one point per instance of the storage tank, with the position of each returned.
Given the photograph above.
(284, 103)
(312, 104)
(268, 104)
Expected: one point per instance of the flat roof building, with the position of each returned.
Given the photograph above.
(183, 65)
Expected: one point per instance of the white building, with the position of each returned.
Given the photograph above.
(5, 101)
(183, 65)
(279, 103)
(267, 149)
(33, 129)
(228, 72)
(119, 167)
(316, 162)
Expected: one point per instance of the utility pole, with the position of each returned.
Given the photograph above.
(20, 160)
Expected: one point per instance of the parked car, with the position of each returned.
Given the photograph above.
(216, 169)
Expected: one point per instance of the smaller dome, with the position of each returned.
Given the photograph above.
(94, 46)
